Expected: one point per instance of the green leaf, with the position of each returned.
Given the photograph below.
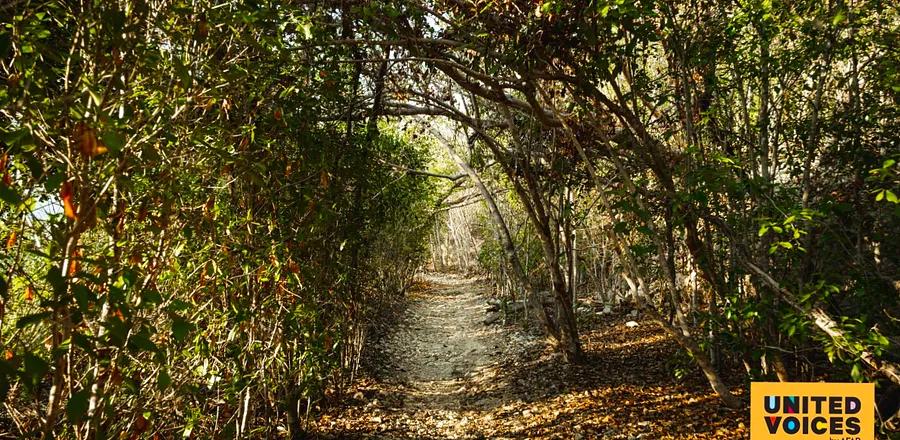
(116, 331)
(82, 297)
(183, 74)
(32, 319)
(163, 380)
(141, 341)
(53, 183)
(180, 328)
(5, 45)
(113, 140)
(34, 369)
(84, 342)
(55, 279)
(77, 406)
(151, 297)
(306, 28)
(838, 18)
(890, 196)
(880, 196)
(95, 98)
(10, 196)
(856, 373)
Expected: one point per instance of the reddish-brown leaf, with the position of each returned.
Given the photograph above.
(4, 161)
(73, 263)
(66, 195)
(87, 141)
(11, 241)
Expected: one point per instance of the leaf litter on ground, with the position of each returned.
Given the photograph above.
(441, 373)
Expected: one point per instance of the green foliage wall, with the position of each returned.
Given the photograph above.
(191, 242)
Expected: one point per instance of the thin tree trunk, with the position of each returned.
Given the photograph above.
(826, 324)
(571, 253)
(569, 343)
(812, 142)
(505, 237)
(683, 339)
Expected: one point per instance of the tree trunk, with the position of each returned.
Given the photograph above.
(826, 324)
(684, 340)
(712, 375)
(509, 246)
(532, 197)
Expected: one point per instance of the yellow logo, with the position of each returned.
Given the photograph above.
(812, 411)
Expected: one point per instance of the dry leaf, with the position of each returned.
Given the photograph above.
(66, 194)
(87, 141)
(11, 241)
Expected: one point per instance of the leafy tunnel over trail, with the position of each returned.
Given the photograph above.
(207, 205)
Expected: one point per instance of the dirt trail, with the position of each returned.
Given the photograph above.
(442, 348)
(443, 355)
(441, 370)
(442, 373)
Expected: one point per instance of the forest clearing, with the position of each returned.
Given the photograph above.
(611, 219)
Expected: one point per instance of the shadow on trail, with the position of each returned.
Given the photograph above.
(446, 375)
(625, 389)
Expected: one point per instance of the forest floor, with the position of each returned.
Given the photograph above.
(442, 373)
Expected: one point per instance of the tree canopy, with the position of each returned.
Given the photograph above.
(207, 203)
